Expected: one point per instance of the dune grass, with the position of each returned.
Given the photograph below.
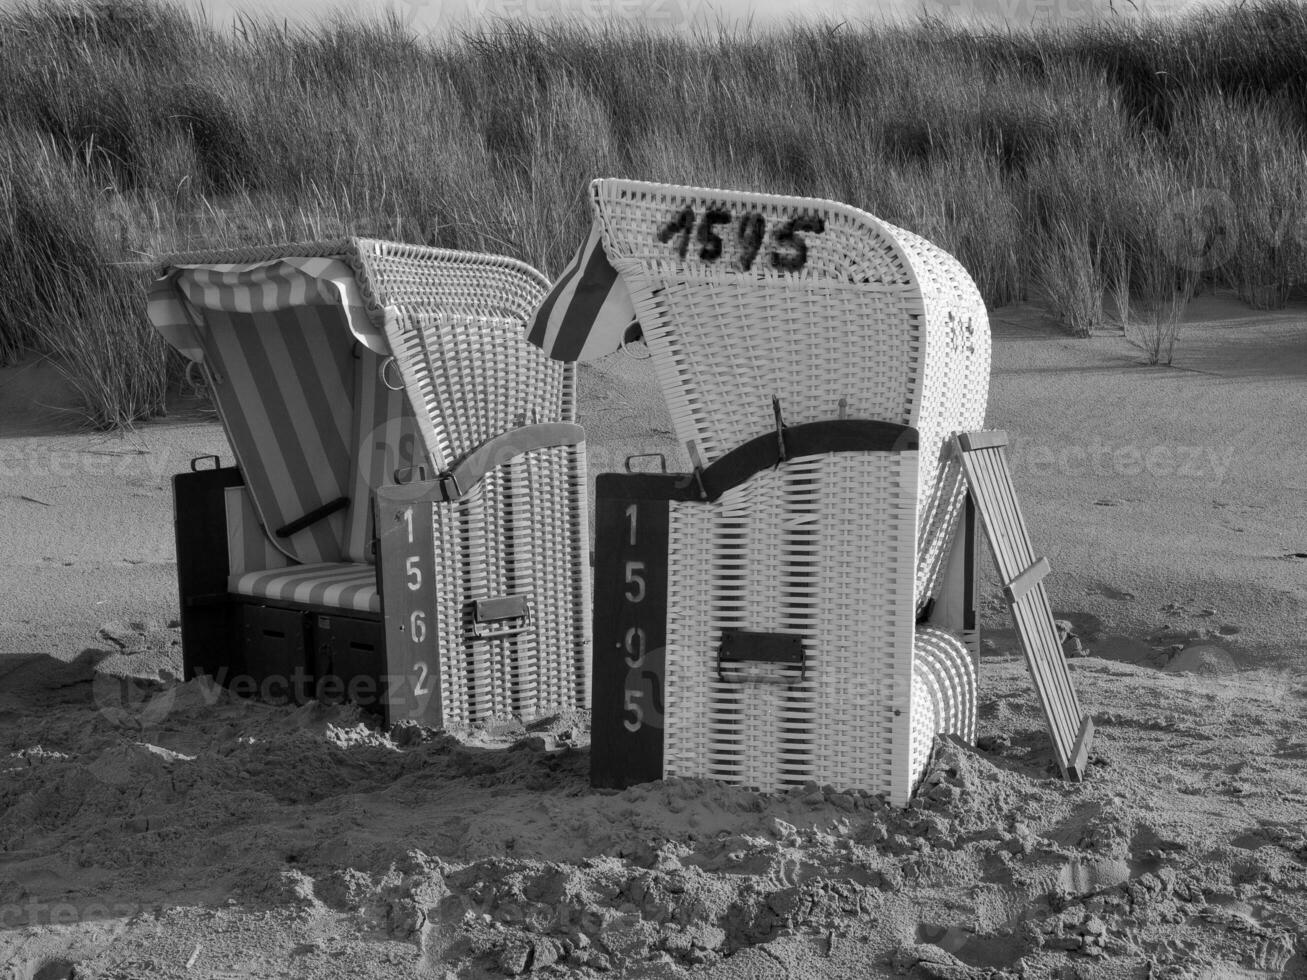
(1112, 165)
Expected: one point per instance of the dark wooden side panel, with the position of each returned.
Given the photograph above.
(405, 562)
(200, 523)
(274, 642)
(630, 627)
(349, 660)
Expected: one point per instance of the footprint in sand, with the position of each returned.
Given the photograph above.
(1114, 593)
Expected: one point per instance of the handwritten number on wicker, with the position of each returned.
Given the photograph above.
(788, 251)
(679, 228)
(962, 336)
(709, 240)
(752, 228)
(791, 251)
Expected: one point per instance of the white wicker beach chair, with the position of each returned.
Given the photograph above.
(768, 316)
(317, 356)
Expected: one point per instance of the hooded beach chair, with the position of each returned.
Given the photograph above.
(801, 606)
(405, 525)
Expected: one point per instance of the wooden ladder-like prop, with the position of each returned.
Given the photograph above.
(985, 463)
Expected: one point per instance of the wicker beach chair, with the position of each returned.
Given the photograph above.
(405, 525)
(809, 588)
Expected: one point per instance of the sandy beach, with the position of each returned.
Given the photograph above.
(152, 828)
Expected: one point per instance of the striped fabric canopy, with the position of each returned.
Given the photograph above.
(587, 312)
(261, 287)
(295, 364)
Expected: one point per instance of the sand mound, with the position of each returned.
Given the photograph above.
(487, 854)
(1203, 658)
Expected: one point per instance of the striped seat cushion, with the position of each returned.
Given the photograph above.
(340, 586)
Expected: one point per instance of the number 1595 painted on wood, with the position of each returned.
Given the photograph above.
(630, 632)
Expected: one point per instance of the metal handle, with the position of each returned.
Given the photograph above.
(409, 474)
(662, 461)
(756, 646)
(501, 609)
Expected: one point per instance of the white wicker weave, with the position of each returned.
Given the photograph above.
(458, 342)
(798, 550)
(877, 323)
(521, 531)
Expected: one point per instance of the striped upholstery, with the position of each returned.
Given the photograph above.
(386, 438)
(252, 287)
(293, 360)
(339, 586)
(248, 548)
(279, 380)
(588, 308)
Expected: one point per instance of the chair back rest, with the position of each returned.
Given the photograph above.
(745, 298)
(291, 340)
(413, 278)
(454, 323)
(476, 378)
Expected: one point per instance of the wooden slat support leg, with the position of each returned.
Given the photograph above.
(1027, 580)
(1080, 754)
(985, 464)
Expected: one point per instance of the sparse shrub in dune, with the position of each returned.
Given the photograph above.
(1169, 252)
(1070, 279)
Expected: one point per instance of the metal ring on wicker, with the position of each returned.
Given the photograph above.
(633, 333)
(386, 381)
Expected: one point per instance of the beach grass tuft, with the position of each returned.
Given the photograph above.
(1116, 163)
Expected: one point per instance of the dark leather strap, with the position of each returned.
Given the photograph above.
(808, 439)
(469, 471)
(312, 517)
